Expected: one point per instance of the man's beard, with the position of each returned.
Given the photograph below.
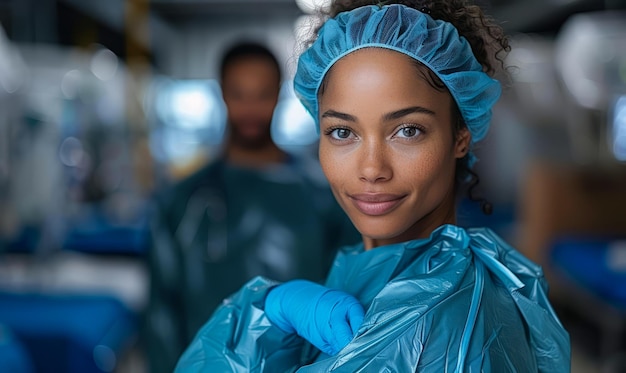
(250, 142)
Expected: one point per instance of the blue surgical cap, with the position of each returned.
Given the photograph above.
(434, 43)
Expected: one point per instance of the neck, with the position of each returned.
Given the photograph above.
(257, 157)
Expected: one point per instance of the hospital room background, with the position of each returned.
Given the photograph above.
(105, 103)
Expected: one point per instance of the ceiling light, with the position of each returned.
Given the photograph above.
(312, 6)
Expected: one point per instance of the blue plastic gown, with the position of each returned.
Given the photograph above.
(460, 301)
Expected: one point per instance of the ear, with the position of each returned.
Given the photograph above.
(463, 139)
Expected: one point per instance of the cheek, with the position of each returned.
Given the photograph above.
(233, 106)
(327, 161)
(433, 165)
(267, 108)
(336, 165)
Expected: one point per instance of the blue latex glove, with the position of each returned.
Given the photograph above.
(325, 317)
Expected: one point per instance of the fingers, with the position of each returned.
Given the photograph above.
(341, 334)
(275, 311)
(355, 317)
(327, 318)
(345, 319)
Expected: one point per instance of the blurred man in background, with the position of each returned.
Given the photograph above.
(255, 210)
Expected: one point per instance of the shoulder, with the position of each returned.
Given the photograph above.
(489, 241)
(507, 263)
(309, 169)
(170, 202)
(206, 176)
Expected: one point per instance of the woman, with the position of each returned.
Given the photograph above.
(401, 94)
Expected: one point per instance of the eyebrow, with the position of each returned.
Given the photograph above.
(404, 112)
(338, 115)
(387, 117)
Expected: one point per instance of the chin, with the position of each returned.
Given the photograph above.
(379, 231)
(253, 142)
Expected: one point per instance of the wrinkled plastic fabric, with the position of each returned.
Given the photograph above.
(435, 43)
(460, 301)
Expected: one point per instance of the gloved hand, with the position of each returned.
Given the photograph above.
(325, 317)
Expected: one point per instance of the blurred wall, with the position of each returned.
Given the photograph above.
(196, 54)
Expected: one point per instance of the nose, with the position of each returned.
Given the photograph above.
(374, 166)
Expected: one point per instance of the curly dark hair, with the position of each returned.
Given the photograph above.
(489, 45)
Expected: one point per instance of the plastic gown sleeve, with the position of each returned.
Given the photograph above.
(240, 338)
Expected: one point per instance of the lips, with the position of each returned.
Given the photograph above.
(374, 204)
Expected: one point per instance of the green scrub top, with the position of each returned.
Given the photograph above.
(225, 225)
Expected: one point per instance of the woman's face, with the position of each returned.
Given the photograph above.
(387, 146)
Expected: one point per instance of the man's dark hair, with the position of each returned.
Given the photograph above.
(247, 50)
